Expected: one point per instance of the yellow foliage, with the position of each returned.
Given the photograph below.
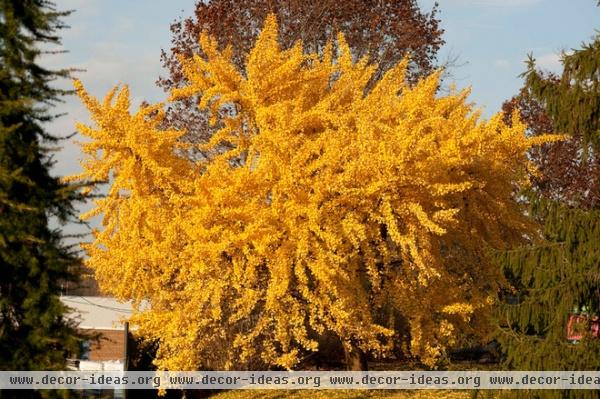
(317, 204)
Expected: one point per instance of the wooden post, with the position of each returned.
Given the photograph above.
(126, 352)
(126, 346)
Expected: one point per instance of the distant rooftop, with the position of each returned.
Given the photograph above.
(100, 313)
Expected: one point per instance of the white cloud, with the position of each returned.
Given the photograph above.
(502, 63)
(549, 62)
(81, 7)
(104, 70)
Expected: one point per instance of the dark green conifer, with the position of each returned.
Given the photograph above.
(34, 261)
(558, 275)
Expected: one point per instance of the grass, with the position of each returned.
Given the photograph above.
(371, 394)
(345, 394)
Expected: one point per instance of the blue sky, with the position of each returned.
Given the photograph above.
(120, 42)
(493, 37)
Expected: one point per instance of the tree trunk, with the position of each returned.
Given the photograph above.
(356, 360)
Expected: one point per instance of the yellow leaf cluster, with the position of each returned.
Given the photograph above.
(318, 204)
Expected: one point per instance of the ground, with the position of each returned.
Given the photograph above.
(353, 394)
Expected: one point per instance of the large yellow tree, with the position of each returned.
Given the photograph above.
(318, 205)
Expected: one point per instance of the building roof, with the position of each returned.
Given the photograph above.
(100, 313)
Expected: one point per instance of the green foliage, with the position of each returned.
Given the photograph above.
(551, 279)
(558, 275)
(34, 334)
(573, 100)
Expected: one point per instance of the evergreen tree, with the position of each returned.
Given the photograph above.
(558, 277)
(34, 334)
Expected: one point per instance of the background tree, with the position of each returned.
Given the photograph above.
(34, 334)
(385, 31)
(346, 200)
(560, 276)
(565, 173)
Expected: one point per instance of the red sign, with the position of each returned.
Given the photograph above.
(578, 325)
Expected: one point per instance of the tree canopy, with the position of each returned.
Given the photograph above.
(383, 30)
(328, 203)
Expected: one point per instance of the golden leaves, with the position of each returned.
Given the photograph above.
(341, 199)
